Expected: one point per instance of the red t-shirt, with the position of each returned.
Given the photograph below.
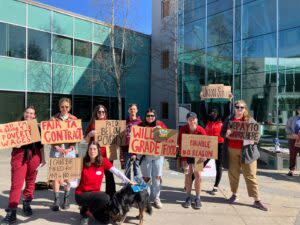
(214, 129)
(91, 177)
(89, 128)
(235, 144)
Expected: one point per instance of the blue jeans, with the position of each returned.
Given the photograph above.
(135, 164)
(152, 167)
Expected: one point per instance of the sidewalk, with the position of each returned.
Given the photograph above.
(280, 193)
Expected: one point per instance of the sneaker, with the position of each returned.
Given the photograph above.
(260, 205)
(84, 221)
(10, 218)
(198, 203)
(187, 203)
(214, 191)
(290, 173)
(27, 208)
(157, 203)
(66, 203)
(233, 199)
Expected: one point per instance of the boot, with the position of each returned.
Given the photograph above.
(55, 206)
(10, 218)
(66, 203)
(27, 208)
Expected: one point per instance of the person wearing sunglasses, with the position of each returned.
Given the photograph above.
(234, 149)
(293, 132)
(152, 166)
(100, 113)
(213, 124)
(66, 150)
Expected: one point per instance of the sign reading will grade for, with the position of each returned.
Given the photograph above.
(64, 168)
(141, 142)
(55, 131)
(19, 133)
(199, 146)
(244, 131)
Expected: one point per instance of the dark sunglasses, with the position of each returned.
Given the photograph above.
(148, 116)
(101, 112)
(239, 107)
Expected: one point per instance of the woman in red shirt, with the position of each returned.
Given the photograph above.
(234, 148)
(87, 194)
(100, 113)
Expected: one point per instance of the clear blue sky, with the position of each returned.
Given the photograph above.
(139, 13)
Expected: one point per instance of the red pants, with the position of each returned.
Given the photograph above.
(293, 154)
(22, 171)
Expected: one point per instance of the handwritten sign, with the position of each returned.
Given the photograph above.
(55, 131)
(64, 168)
(141, 142)
(244, 131)
(199, 146)
(216, 91)
(19, 133)
(297, 143)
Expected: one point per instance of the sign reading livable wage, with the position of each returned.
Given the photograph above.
(64, 168)
(141, 142)
(216, 91)
(199, 146)
(19, 133)
(244, 131)
(111, 134)
(56, 131)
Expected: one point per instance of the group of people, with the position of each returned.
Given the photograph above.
(25, 160)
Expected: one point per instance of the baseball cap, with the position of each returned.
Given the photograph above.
(191, 114)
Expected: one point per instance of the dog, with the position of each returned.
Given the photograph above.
(126, 198)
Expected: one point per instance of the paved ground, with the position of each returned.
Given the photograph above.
(280, 193)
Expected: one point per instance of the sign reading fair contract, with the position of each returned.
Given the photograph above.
(244, 131)
(216, 91)
(19, 133)
(199, 146)
(64, 168)
(141, 142)
(56, 131)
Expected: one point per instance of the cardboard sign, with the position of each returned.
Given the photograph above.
(56, 131)
(244, 131)
(297, 143)
(64, 168)
(216, 91)
(18, 133)
(141, 142)
(110, 132)
(199, 146)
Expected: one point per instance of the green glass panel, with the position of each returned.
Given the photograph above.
(39, 77)
(62, 24)
(14, 105)
(83, 29)
(13, 12)
(12, 74)
(62, 79)
(39, 18)
(101, 34)
(83, 54)
(62, 50)
(103, 84)
(82, 81)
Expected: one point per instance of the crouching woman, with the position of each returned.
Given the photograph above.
(87, 194)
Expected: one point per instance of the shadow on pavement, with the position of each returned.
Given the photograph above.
(279, 176)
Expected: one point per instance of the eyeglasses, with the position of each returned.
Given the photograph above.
(101, 112)
(150, 115)
(239, 107)
(64, 106)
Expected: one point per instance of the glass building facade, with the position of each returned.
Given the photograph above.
(46, 53)
(252, 45)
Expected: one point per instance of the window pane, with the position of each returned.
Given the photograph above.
(82, 108)
(62, 50)
(83, 53)
(41, 102)
(2, 39)
(39, 45)
(289, 14)
(14, 105)
(39, 77)
(39, 18)
(16, 40)
(62, 79)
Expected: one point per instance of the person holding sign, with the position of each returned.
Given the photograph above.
(213, 124)
(293, 133)
(87, 194)
(100, 113)
(62, 150)
(152, 166)
(25, 161)
(127, 159)
(235, 148)
(191, 127)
